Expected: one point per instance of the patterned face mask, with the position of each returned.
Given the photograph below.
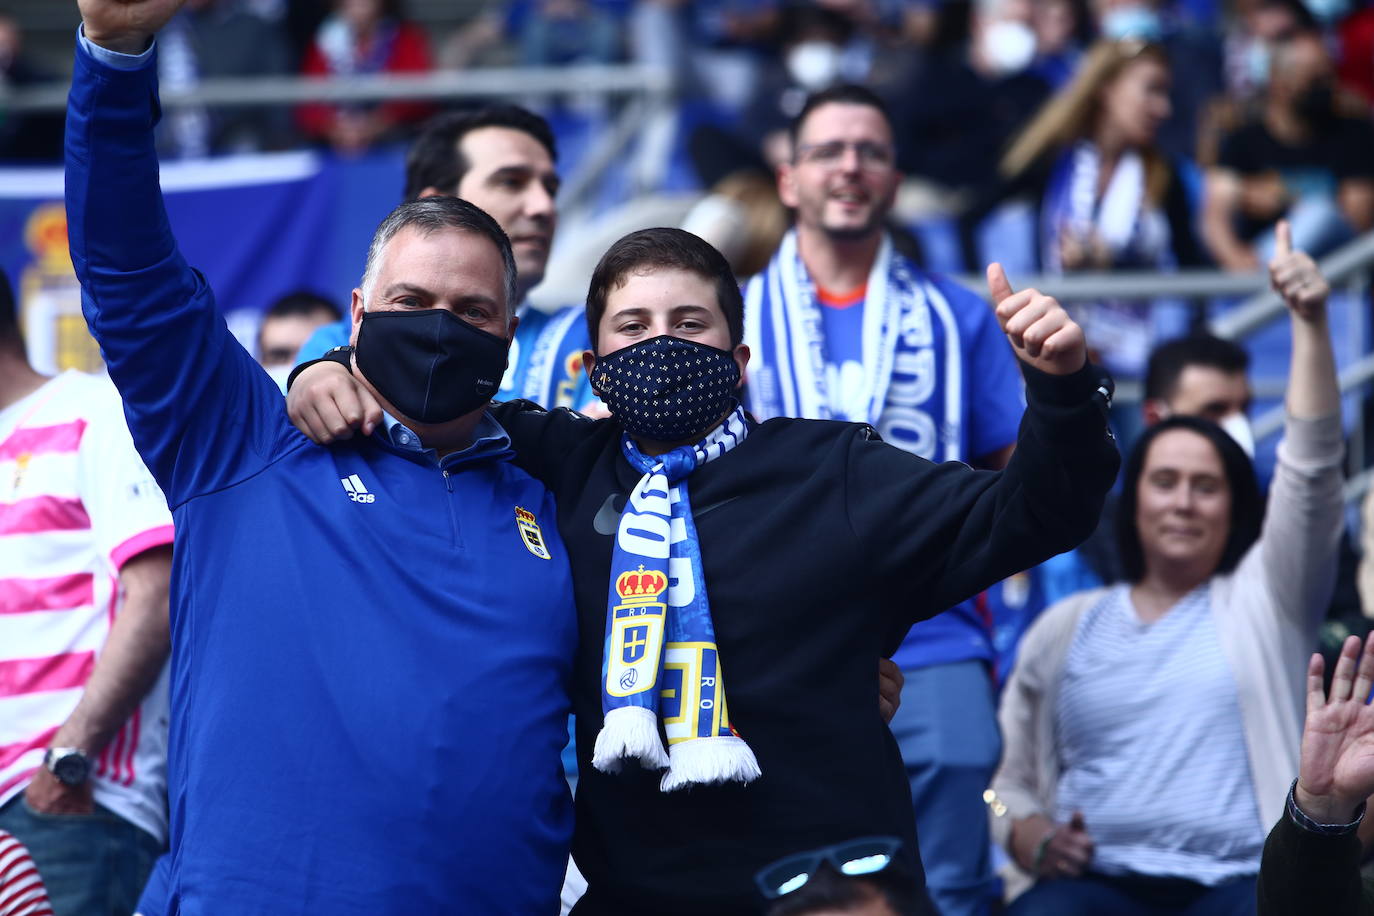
(667, 389)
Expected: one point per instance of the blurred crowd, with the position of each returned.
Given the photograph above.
(1132, 750)
(1195, 125)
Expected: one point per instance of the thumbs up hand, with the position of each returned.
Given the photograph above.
(1041, 332)
(1296, 278)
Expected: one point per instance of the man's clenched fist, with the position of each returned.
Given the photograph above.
(125, 26)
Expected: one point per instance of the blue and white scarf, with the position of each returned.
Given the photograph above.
(661, 661)
(785, 331)
(1135, 232)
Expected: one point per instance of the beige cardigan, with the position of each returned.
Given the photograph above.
(1267, 612)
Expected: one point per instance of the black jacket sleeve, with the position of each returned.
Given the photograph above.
(1303, 872)
(543, 439)
(938, 534)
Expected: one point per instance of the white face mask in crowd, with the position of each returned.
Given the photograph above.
(1008, 46)
(1141, 22)
(815, 65)
(1237, 426)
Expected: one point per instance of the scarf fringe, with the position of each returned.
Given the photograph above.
(701, 761)
(629, 733)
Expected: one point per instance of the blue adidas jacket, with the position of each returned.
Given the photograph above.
(370, 653)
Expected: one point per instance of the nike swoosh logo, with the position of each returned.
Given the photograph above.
(607, 519)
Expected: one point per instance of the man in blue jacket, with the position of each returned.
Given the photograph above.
(371, 644)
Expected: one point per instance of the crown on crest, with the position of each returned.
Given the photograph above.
(641, 586)
(524, 514)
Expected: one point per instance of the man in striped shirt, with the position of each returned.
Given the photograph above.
(85, 559)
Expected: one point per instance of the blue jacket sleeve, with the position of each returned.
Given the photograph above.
(201, 411)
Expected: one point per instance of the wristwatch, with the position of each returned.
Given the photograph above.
(70, 765)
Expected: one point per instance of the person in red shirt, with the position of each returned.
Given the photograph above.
(364, 37)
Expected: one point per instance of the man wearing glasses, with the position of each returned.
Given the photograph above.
(843, 327)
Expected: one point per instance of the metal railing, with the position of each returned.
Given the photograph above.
(441, 85)
(647, 91)
(1347, 269)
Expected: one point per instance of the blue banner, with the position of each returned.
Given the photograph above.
(257, 227)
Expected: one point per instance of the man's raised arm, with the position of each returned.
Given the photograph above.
(169, 352)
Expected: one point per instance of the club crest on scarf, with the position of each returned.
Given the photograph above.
(661, 664)
(636, 624)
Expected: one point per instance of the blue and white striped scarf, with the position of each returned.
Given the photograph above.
(785, 331)
(661, 661)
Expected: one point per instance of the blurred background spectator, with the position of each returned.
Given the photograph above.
(1106, 196)
(1298, 156)
(364, 37)
(287, 325)
(25, 137)
(221, 38)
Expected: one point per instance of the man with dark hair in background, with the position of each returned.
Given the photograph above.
(286, 325)
(503, 159)
(85, 558)
(1200, 376)
(843, 327)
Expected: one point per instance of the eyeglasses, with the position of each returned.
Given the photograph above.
(864, 856)
(873, 157)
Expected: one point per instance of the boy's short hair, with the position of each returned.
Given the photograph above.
(665, 249)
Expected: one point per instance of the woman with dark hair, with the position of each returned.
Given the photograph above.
(1151, 728)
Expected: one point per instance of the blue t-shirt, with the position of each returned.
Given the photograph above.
(545, 356)
(843, 319)
(371, 647)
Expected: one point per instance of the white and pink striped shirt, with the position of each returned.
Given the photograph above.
(76, 503)
(21, 889)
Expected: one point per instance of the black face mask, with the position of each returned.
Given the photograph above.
(667, 389)
(430, 364)
(1316, 104)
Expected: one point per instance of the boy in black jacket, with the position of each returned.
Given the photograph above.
(819, 546)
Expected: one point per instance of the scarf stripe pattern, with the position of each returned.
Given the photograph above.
(661, 661)
(785, 331)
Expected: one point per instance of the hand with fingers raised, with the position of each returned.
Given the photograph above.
(1296, 277)
(1041, 332)
(1336, 771)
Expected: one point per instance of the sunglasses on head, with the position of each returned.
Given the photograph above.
(853, 858)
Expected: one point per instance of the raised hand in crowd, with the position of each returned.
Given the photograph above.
(1312, 388)
(1311, 860)
(125, 25)
(1337, 765)
(1041, 332)
(1296, 278)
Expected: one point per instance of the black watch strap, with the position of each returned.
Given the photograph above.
(341, 355)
